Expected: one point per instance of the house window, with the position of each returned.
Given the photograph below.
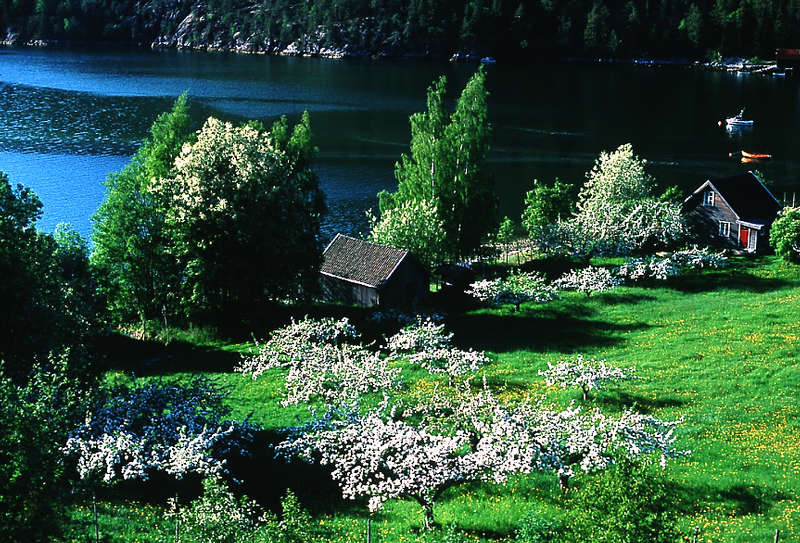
(708, 198)
(724, 229)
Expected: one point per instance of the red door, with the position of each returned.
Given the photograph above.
(744, 236)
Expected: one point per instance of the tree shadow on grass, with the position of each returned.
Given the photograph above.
(619, 400)
(540, 331)
(727, 280)
(148, 357)
(744, 499)
(612, 298)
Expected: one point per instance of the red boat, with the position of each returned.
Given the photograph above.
(756, 156)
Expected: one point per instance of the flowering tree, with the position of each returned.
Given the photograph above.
(243, 209)
(421, 451)
(429, 346)
(155, 427)
(320, 365)
(591, 441)
(413, 225)
(418, 454)
(638, 269)
(784, 236)
(617, 204)
(584, 374)
(517, 288)
(449, 361)
(695, 259)
(588, 280)
(422, 335)
(291, 343)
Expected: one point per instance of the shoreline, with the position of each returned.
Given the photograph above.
(731, 65)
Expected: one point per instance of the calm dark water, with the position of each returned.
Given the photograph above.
(69, 117)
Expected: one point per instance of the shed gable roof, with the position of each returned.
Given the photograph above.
(360, 261)
(747, 197)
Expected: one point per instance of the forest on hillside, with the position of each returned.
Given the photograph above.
(503, 28)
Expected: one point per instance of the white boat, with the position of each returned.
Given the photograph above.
(739, 120)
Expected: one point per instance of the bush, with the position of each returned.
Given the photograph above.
(784, 235)
(533, 528)
(218, 516)
(629, 503)
(35, 494)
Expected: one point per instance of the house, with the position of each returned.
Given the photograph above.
(734, 212)
(362, 273)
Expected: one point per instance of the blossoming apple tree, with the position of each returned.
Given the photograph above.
(587, 375)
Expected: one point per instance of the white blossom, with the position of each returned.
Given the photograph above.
(321, 366)
(588, 280)
(587, 375)
(156, 427)
(640, 269)
(515, 289)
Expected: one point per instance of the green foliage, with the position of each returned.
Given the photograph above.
(35, 418)
(243, 214)
(447, 166)
(136, 274)
(672, 194)
(617, 206)
(545, 205)
(414, 226)
(47, 294)
(634, 27)
(218, 516)
(534, 528)
(295, 525)
(784, 235)
(617, 178)
(629, 503)
(506, 233)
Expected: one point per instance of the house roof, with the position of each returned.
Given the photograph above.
(747, 197)
(359, 261)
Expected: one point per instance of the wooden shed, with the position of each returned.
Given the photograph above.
(734, 212)
(362, 273)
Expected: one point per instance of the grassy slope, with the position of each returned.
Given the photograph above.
(718, 349)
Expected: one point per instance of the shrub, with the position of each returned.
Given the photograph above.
(534, 528)
(784, 235)
(629, 503)
(218, 516)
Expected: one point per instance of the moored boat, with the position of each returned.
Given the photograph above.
(739, 120)
(755, 156)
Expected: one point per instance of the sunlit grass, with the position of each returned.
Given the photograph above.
(718, 348)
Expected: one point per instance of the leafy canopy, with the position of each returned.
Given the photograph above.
(46, 295)
(137, 276)
(784, 236)
(447, 166)
(242, 213)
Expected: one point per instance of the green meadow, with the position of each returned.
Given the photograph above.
(717, 348)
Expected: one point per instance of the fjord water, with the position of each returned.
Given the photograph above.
(70, 117)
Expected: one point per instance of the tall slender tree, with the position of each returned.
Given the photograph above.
(447, 166)
(134, 269)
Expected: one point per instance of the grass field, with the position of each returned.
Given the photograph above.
(717, 348)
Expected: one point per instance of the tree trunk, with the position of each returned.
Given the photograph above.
(427, 514)
(563, 482)
(96, 524)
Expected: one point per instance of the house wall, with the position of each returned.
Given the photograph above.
(408, 283)
(337, 290)
(703, 222)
